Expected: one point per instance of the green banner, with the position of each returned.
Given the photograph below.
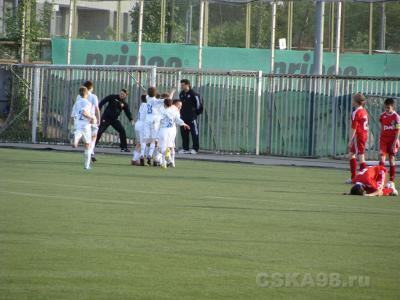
(88, 52)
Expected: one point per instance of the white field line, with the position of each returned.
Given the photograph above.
(204, 197)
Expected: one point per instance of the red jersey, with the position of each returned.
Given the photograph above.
(372, 177)
(359, 121)
(390, 123)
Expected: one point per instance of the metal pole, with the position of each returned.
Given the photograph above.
(118, 29)
(332, 27)
(206, 14)
(140, 34)
(338, 36)
(271, 80)
(382, 32)
(23, 32)
(248, 25)
(153, 76)
(70, 29)
(342, 45)
(188, 25)
(28, 36)
(258, 111)
(162, 21)
(200, 54)
(337, 69)
(273, 30)
(35, 107)
(319, 37)
(371, 20)
(290, 25)
(171, 27)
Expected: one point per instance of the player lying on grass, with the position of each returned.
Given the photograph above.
(358, 135)
(83, 117)
(371, 182)
(170, 117)
(389, 139)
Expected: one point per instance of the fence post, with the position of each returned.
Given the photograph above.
(35, 106)
(271, 87)
(334, 116)
(178, 84)
(258, 111)
(152, 80)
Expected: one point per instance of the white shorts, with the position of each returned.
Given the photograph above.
(139, 132)
(167, 138)
(84, 133)
(150, 131)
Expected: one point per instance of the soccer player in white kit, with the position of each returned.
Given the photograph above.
(170, 117)
(139, 149)
(83, 119)
(170, 153)
(151, 124)
(92, 98)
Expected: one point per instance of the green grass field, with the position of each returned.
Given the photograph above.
(200, 231)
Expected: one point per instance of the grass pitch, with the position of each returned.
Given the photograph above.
(200, 231)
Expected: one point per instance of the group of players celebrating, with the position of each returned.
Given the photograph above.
(156, 126)
(371, 181)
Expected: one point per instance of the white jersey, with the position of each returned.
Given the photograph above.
(170, 117)
(153, 107)
(142, 113)
(92, 98)
(80, 121)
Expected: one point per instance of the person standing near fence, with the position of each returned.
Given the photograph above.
(116, 104)
(191, 107)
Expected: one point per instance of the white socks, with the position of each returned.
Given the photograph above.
(136, 155)
(142, 149)
(172, 156)
(91, 148)
(87, 155)
(152, 148)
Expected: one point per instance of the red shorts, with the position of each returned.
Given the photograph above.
(386, 191)
(358, 145)
(386, 145)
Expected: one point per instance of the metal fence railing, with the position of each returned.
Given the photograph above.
(244, 111)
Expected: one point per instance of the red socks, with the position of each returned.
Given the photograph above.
(392, 172)
(353, 167)
(387, 191)
(363, 166)
(381, 163)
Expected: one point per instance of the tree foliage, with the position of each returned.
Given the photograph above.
(227, 24)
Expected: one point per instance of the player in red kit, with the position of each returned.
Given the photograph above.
(390, 133)
(358, 135)
(371, 182)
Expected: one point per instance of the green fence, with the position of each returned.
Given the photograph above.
(245, 112)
